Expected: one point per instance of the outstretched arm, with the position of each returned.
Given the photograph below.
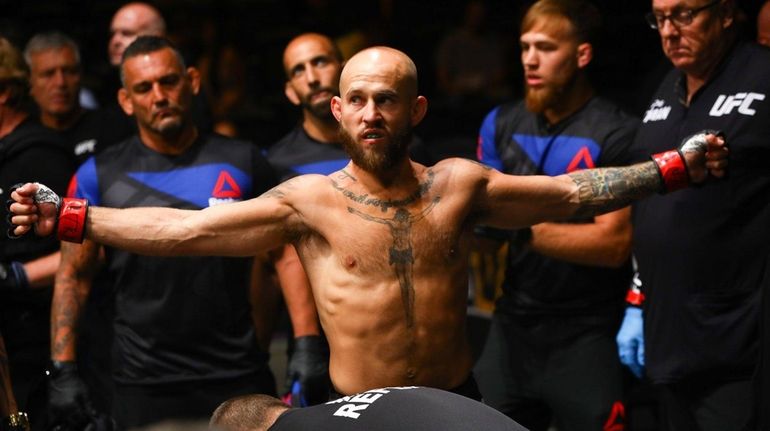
(514, 201)
(237, 229)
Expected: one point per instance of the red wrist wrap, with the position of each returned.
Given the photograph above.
(635, 297)
(72, 220)
(672, 170)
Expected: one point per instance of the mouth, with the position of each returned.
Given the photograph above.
(534, 80)
(372, 136)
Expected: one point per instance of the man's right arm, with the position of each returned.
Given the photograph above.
(238, 229)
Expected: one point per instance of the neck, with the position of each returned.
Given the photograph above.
(61, 122)
(322, 130)
(170, 145)
(401, 178)
(10, 119)
(570, 102)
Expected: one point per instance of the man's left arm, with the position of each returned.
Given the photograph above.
(515, 201)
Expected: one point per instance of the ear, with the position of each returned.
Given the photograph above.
(419, 109)
(288, 90)
(585, 53)
(727, 13)
(125, 102)
(195, 79)
(337, 108)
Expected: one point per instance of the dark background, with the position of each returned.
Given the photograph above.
(628, 65)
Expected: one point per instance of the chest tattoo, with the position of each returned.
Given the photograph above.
(401, 253)
(385, 205)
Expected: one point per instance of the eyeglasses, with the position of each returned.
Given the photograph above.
(678, 19)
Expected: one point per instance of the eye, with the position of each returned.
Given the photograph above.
(142, 87)
(169, 80)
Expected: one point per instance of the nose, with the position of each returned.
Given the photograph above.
(158, 94)
(371, 113)
(311, 75)
(667, 28)
(529, 58)
(58, 78)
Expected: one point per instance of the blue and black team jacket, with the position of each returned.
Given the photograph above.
(181, 318)
(516, 141)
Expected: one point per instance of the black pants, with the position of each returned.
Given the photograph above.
(698, 405)
(138, 406)
(553, 369)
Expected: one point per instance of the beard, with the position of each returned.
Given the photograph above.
(548, 96)
(377, 161)
(322, 109)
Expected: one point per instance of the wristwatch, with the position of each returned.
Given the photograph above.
(15, 422)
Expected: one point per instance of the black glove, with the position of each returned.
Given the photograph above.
(69, 407)
(13, 276)
(307, 376)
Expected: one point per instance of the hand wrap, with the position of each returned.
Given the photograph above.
(672, 165)
(72, 220)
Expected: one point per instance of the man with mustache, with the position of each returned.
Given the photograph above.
(184, 339)
(695, 334)
(550, 356)
(385, 240)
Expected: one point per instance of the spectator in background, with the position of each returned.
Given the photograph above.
(695, 336)
(129, 22)
(550, 356)
(27, 265)
(763, 24)
(55, 76)
(184, 338)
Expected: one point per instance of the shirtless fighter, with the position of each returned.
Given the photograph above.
(385, 240)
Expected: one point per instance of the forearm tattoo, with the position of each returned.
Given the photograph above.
(606, 189)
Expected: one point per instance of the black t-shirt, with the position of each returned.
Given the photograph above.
(95, 130)
(400, 408)
(179, 318)
(29, 153)
(516, 141)
(702, 251)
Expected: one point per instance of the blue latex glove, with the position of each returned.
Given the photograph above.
(630, 341)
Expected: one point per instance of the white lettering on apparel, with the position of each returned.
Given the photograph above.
(725, 104)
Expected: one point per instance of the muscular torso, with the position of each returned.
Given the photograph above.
(389, 277)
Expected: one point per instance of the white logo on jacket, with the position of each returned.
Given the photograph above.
(657, 111)
(726, 103)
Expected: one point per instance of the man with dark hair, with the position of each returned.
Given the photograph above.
(184, 338)
(409, 408)
(27, 265)
(385, 240)
(693, 332)
(550, 356)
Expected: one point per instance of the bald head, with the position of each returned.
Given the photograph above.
(381, 63)
(308, 45)
(129, 22)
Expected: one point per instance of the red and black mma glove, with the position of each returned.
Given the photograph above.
(672, 165)
(71, 219)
